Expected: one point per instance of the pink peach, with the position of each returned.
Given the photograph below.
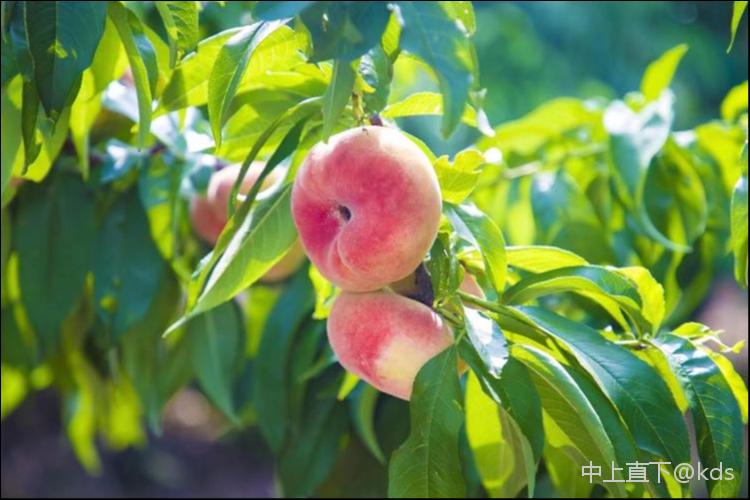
(367, 206)
(385, 338)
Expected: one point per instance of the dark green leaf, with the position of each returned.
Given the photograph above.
(217, 345)
(125, 264)
(716, 415)
(432, 35)
(344, 30)
(309, 455)
(649, 410)
(62, 37)
(271, 390)
(427, 465)
(362, 404)
(54, 237)
(29, 113)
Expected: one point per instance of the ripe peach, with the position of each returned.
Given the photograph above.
(367, 206)
(385, 338)
(209, 214)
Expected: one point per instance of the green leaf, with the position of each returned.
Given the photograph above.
(377, 71)
(521, 409)
(362, 405)
(635, 139)
(188, 85)
(29, 113)
(311, 453)
(458, 180)
(427, 465)
(610, 289)
(488, 341)
(54, 237)
(260, 241)
(272, 385)
(462, 12)
(226, 74)
(52, 137)
(62, 38)
(142, 63)
(734, 379)
(273, 10)
(126, 262)
(735, 102)
(648, 410)
(500, 449)
(738, 10)
(658, 75)
(181, 23)
(217, 339)
(325, 293)
(108, 64)
(426, 104)
(567, 407)
(337, 95)
(739, 230)
(430, 33)
(240, 223)
(716, 415)
(540, 259)
(344, 30)
(480, 231)
(348, 384)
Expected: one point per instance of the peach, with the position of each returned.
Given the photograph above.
(209, 214)
(205, 223)
(367, 206)
(385, 338)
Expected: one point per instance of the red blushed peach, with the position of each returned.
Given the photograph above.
(367, 206)
(385, 338)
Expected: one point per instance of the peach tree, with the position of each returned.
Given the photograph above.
(151, 163)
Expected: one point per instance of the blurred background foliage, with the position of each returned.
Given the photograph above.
(529, 53)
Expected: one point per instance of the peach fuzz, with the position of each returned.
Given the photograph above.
(367, 206)
(385, 338)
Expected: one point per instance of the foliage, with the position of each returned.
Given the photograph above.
(593, 227)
